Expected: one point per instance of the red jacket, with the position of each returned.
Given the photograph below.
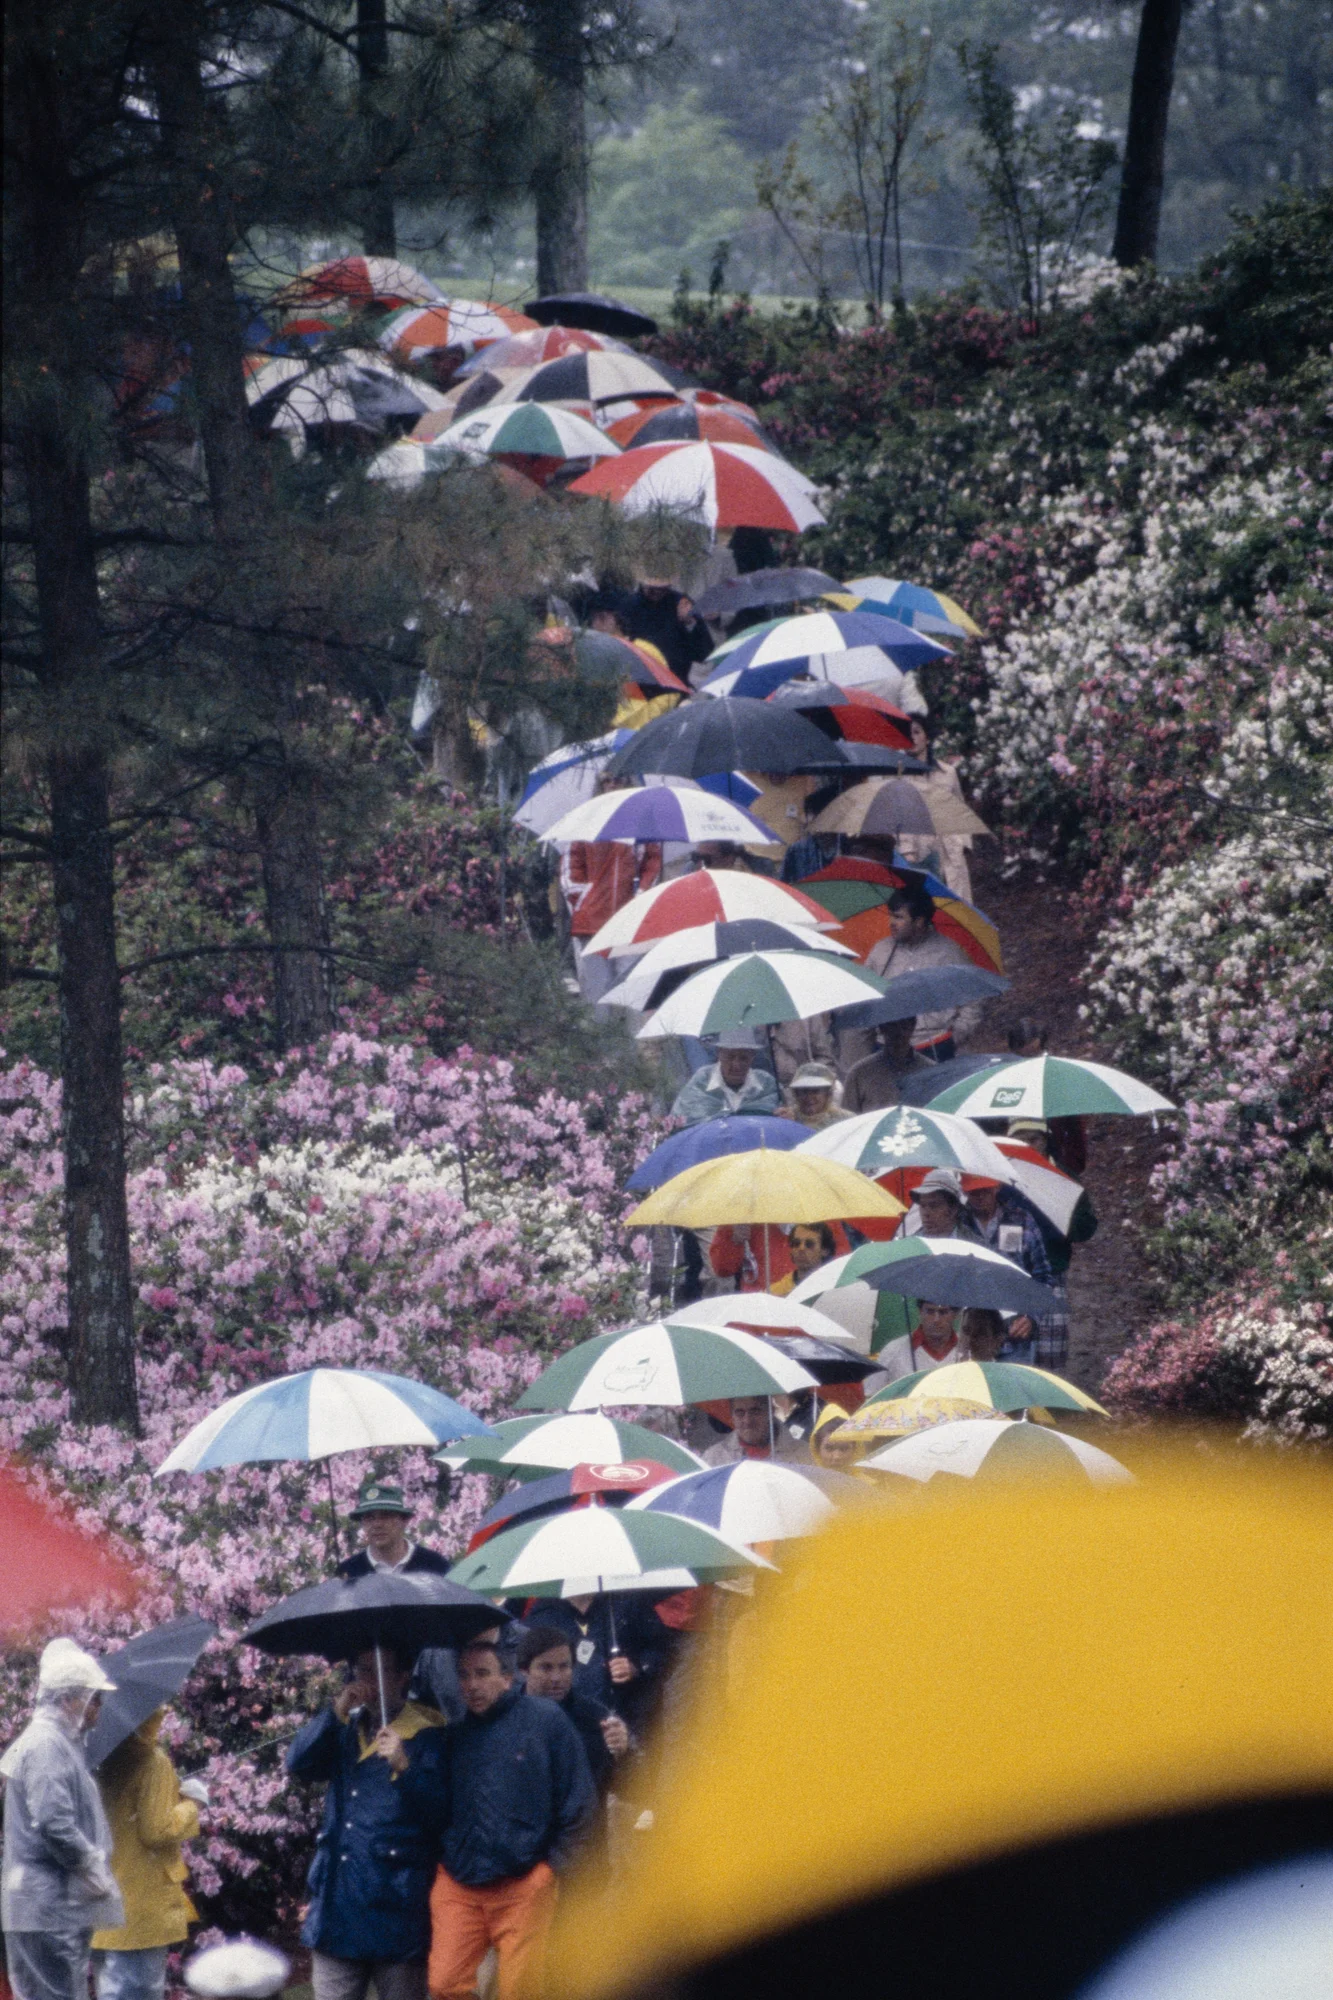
(598, 877)
(745, 1261)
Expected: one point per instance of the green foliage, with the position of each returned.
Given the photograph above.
(665, 194)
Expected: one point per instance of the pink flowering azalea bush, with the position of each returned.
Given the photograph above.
(1258, 1362)
(369, 1206)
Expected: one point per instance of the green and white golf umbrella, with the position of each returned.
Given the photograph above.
(1050, 1087)
(532, 1447)
(526, 430)
(1010, 1453)
(884, 1142)
(665, 1363)
(593, 1549)
(761, 989)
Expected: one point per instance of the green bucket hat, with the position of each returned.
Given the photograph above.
(378, 1496)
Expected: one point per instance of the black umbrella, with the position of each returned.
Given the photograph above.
(591, 311)
(949, 1276)
(722, 733)
(149, 1671)
(825, 1359)
(863, 759)
(926, 992)
(345, 1616)
(764, 586)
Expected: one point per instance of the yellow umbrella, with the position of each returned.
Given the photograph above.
(908, 1414)
(764, 1186)
(1174, 1636)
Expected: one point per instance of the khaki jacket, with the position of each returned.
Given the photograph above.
(149, 1820)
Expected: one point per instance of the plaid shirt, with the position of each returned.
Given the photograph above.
(1052, 1329)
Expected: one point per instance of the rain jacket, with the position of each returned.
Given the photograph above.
(519, 1791)
(375, 1859)
(706, 1096)
(641, 1637)
(149, 1819)
(57, 1874)
(598, 877)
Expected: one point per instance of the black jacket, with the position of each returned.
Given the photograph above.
(681, 646)
(519, 1791)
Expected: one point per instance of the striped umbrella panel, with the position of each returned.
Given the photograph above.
(321, 1411)
(664, 1364)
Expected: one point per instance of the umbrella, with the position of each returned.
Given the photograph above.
(705, 897)
(770, 1317)
(1053, 1193)
(701, 737)
(462, 323)
(318, 1412)
(601, 656)
(659, 812)
(927, 610)
(751, 1501)
(923, 1086)
(908, 994)
(361, 282)
(596, 376)
(673, 959)
(50, 1563)
(527, 1447)
(614, 1483)
(542, 343)
(765, 1187)
(903, 1416)
(857, 893)
(668, 423)
(148, 1673)
(759, 990)
(848, 715)
(975, 1449)
(565, 779)
(344, 1616)
(847, 647)
(710, 1140)
(760, 587)
(882, 1142)
(526, 430)
(591, 310)
(666, 1363)
(877, 809)
(722, 485)
(1052, 1087)
(595, 1549)
(948, 1270)
(357, 387)
(1004, 1385)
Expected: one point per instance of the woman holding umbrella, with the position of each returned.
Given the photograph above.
(149, 1819)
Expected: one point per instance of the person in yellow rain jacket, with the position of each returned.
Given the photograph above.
(149, 1819)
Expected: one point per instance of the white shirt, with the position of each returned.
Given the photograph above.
(377, 1563)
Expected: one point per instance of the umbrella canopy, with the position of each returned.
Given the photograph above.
(759, 990)
(593, 311)
(918, 1087)
(667, 423)
(751, 1501)
(707, 896)
(975, 1449)
(882, 1142)
(665, 1364)
(903, 1416)
(947, 1270)
(822, 645)
(908, 994)
(877, 809)
(405, 1609)
(527, 431)
(1052, 1087)
(857, 892)
(358, 387)
(612, 1483)
(601, 656)
(148, 1673)
(760, 587)
(1004, 1385)
(848, 715)
(701, 737)
(50, 1563)
(765, 1187)
(528, 1447)
(722, 485)
(565, 779)
(1051, 1192)
(543, 343)
(593, 1549)
(659, 812)
(359, 283)
(710, 1140)
(318, 1412)
(770, 1317)
(670, 961)
(416, 331)
(597, 376)
(927, 610)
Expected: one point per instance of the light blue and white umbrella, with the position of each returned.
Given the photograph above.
(926, 610)
(320, 1412)
(752, 1501)
(565, 779)
(849, 648)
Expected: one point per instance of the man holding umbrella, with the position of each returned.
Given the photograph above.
(382, 1513)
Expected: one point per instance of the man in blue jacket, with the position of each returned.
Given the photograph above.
(369, 1913)
(520, 1800)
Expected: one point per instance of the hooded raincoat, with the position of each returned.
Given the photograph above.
(149, 1819)
(57, 1877)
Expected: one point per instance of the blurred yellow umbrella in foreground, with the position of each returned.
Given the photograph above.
(1042, 1716)
(764, 1186)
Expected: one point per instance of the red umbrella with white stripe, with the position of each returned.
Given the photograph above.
(722, 485)
(535, 344)
(462, 323)
(359, 282)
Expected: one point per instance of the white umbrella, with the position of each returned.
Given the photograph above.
(761, 989)
(1049, 1189)
(976, 1448)
(706, 896)
(530, 1447)
(589, 1550)
(665, 1363)
(1051, 1087)
(904, 1136)
(318, 1413)
(762, 1313)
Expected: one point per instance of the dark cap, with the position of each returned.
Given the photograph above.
(378, 1496)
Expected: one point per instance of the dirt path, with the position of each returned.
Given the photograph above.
(1044, 953)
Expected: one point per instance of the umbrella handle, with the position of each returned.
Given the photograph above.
(379, 1675)
(333, 1513)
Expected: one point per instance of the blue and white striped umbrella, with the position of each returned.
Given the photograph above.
(566, 779)
(319, 1412)
(847, 647)
(753, 1500)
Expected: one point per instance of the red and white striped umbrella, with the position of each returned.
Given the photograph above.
(722, 485)
(708, 896)
(462, 323)
(361, 282)
(667, 423)
(535, 344)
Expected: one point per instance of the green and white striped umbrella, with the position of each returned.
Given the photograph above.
(761, 989)
(664, 1363)
(1012, 1453)
(592, 1549)
(532, 1447)
(526, 430)
(883, 1142)
(1050, 1087)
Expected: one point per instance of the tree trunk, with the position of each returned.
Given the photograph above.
(1144, 172)
(287, 823)
(562, 183)
(379, 236)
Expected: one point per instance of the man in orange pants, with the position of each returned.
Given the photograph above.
(521, 1798)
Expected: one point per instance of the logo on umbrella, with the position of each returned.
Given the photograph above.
(1009, 1097)
(905, 1140)
(620, 1475)
(632, 1375)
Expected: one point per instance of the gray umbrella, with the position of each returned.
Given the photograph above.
(764, 586)
(929, 991)
(148, 1672)
(722, 733)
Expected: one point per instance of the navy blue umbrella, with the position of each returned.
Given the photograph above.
(708, 1141)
